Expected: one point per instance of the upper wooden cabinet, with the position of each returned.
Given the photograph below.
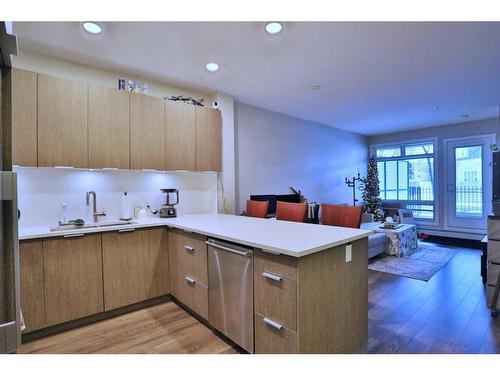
(108, 128)
(62, 122)
(147, 132)
(180, 136)
(208, 139)
(24, 118)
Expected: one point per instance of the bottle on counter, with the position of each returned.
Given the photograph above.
(125, 215)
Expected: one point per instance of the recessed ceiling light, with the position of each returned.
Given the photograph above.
(274, 27)
(92, 27)
(212, 67)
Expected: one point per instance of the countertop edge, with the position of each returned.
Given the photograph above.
(295, 254)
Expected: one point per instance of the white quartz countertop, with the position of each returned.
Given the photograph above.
(284, 237)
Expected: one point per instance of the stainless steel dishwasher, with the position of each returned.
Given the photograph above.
(230, 291)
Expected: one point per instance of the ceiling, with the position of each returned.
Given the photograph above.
(374, 77)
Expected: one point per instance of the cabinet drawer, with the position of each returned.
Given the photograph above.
(191, 256)
(276, 298)
(282, 265)
(490, 291)
(272, 340)
(493, 251)
(493, 270)
(193, 294)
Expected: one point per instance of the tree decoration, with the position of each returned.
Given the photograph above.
(371, 191)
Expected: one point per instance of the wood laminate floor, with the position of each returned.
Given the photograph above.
(447, 314)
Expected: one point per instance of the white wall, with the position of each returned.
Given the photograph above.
(275, 151)
(70, 70)
(41, 191)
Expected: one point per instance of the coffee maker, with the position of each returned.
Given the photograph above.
(168, 209)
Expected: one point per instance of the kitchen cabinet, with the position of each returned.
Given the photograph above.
(297, 310)
(147, 132)
(32, 290)
(135, 266)
(189, 270)
(208, 139)
(108, 128)
(24, 117)
(62, 122)
(180, 136)
(72, 269)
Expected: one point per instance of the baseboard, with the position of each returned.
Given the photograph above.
(443, 233)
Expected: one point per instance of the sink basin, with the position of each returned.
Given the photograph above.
(110, 223)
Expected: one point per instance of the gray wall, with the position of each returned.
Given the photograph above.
(465, 129)
(275, 151)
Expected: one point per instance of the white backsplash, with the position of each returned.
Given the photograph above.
(41, 191)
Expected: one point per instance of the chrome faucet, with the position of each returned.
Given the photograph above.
(95, 213)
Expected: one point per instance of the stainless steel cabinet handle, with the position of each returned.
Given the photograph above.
(271, 276)
(272, 323)
(188, 248)
(242, 253)
(190, 280)
(126, 230)
(74, 235)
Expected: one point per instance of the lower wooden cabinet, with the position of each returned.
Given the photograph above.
(135, 266)
(32, 299)
(193, 294)
(72, 269)
(269, 339)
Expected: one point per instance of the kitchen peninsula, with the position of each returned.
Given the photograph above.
(309, 281)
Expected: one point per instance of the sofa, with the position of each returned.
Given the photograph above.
(377, 242)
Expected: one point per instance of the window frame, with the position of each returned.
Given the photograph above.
(404, 203)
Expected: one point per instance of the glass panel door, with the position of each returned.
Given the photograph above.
(468, 189)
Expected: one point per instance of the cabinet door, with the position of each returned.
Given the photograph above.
(180, 136)
(135, 266)
(62, 122)
(72, 269)
(24, 118)
(157, 262)
(108, 128)
(32, 300)
(208, 140)
(147, 132)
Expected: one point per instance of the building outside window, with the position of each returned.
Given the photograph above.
(406, 174)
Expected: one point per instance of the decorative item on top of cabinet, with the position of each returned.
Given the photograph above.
(208, 139)
(147, 132)
(180, 136)
(24, 117)
(135, 264)
(72, 269)
(62, 122)
(108, 128)
(32, 299)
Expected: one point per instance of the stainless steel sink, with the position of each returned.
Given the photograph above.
(110, 223)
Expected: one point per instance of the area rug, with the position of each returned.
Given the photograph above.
(421, 265)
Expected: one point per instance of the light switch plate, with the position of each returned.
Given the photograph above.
(348, 253)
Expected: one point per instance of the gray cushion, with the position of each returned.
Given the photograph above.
(377, 239)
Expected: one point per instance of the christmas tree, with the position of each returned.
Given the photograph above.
(371, 191)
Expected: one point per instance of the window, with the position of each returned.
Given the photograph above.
(406, 174)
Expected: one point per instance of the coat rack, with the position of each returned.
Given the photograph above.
(352, 184)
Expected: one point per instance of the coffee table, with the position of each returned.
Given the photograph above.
(402, 240)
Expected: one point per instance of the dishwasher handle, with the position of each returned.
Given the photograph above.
(228, 249)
